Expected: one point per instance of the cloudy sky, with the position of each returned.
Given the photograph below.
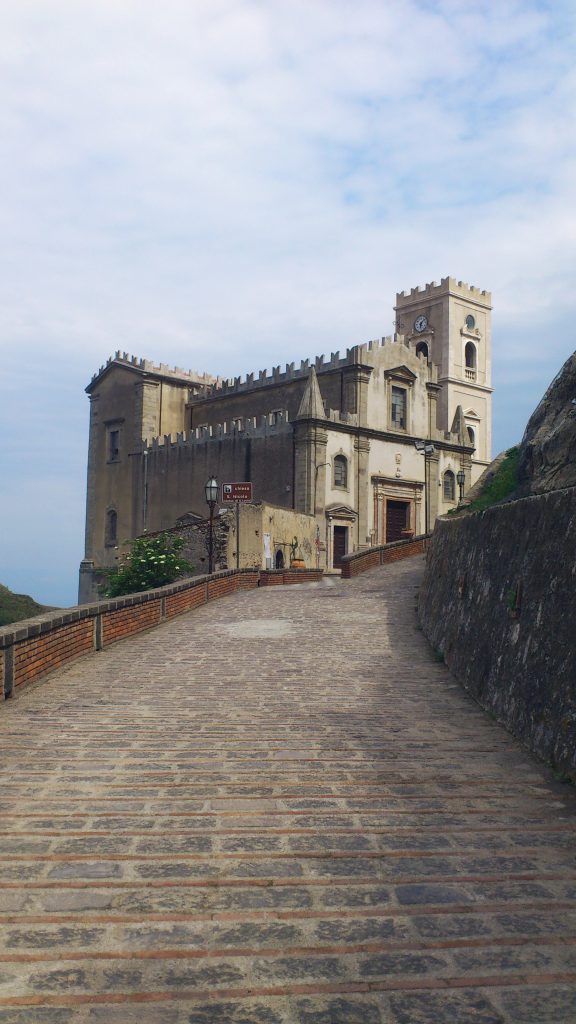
(231, 184)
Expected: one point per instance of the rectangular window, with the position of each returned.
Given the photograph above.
(398, 408)
(449, 486)
(113, 445)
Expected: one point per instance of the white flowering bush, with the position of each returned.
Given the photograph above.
(151, 562)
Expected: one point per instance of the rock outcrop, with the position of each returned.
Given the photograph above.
(547, 456)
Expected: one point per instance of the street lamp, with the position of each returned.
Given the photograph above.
(211, 494)
(461, 477)
(427, 450)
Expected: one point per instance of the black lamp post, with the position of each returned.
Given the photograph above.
(211, 493)
(461, 477)
(427, 450)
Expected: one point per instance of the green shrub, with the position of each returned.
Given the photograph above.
(151, 562)
(502, 485)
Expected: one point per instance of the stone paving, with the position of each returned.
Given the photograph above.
(280, 809)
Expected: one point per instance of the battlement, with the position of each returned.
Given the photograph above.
(447, 285)
(245, 426)
(322, 364)
(161, 370)
(216, 387)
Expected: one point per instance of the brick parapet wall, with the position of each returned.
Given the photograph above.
(360, 561)
(34, 647)
(280, 577)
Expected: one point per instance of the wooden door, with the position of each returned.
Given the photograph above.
(396, 519)
(340, 545)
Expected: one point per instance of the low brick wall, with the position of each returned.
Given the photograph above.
(360, 561)
(37, 655)
(124, 622)
(277, 577)
(186, 600)
(33, 648)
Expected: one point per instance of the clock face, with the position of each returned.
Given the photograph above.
(420, 323)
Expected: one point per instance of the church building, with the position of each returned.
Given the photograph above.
(368, 443)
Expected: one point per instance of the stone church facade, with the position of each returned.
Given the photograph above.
(333, 439)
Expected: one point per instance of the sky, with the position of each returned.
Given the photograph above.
(228, 185)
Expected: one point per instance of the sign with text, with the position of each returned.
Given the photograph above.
(237, 492)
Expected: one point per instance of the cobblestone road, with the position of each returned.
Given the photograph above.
(280, 809)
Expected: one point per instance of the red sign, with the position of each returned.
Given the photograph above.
(236, 492)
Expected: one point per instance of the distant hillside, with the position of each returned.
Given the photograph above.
(14, 607)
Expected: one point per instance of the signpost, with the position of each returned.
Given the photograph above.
(235, 493)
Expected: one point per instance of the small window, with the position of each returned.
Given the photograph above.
(449, 486)
(340, 471)
(113, 445)
(422, 349)
(471, 435)
(470, 356)
(237, 423)
(470, 322)
(111, 528)
(398, 409)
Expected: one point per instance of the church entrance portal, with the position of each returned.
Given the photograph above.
(397, 519)
(340, 545)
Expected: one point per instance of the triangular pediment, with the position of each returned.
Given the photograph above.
(402, 373)
(340, 512)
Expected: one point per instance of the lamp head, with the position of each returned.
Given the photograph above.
(211, 490)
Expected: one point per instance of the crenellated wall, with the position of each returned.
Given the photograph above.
(162, 369)
(498, 603)
(432, 289)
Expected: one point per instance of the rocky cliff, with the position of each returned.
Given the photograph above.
(548, 450)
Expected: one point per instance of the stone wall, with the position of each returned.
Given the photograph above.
(498, 603)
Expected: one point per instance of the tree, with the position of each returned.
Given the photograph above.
(151, 562)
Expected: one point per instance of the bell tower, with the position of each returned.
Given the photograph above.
(450, 324)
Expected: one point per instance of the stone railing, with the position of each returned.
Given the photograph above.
(360, 561)
(34, 647)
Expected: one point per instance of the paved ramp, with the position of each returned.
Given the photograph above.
(280, 809)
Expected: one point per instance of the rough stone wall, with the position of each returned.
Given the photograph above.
(546, 458)
(498, 602)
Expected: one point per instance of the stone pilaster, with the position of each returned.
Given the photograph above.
(355, 391)
(361, 453)
(91, 480)
(146, 411)
(432, 391)
(433, 488)
(310, 452)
